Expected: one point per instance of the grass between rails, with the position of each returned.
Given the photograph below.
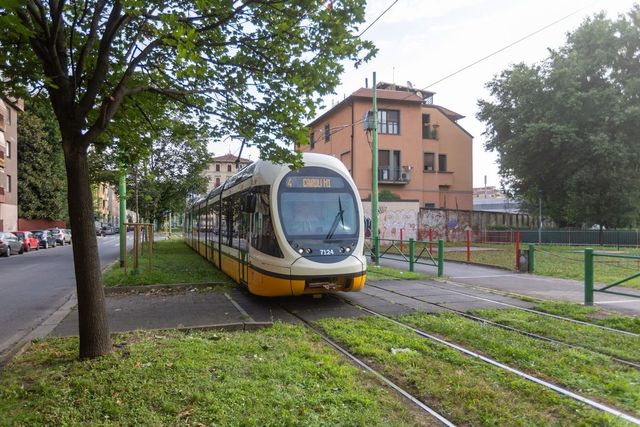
(173, 262)
(591, 315)
(581, 371)
(603, 341)
(464, 389)
(278, 376)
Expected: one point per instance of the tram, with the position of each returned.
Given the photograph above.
(284, 232)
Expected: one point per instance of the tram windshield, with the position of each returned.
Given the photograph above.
(318, 212)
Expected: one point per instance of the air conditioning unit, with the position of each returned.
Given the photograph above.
(405, 177)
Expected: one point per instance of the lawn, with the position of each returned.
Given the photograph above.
(558, 261)
(173, 262)
(465, 390)
(376, 273)
(279, 376)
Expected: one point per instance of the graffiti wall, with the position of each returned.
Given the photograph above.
(396, 220)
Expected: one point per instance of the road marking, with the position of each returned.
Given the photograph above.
(622, 301)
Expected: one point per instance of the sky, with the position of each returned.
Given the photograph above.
(423, 41)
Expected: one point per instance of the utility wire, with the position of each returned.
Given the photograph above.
(376, 20)
(505, 47)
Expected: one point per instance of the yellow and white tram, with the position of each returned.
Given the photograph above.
(284, 232)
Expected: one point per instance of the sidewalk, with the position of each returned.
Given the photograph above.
(542, 287)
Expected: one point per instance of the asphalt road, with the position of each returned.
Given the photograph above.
(35, 284)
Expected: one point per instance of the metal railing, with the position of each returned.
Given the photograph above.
(403, 250)
(589, 256)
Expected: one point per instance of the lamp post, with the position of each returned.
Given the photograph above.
(374, 178)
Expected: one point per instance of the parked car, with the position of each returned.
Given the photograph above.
(46, 238)
(68, 230)
(29, 241)
(9, 244)
(107, 229)
(61, 236)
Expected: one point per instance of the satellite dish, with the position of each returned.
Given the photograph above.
(409, 84)
(419, 93)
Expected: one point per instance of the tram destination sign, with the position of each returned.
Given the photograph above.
(314, 182)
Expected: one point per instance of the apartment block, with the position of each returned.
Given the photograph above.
(222, 167)
(9, 163)
(423, 153)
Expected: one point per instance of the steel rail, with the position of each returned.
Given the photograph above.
(511, 328)
(542, 313)
(505, 367)
(368, 368)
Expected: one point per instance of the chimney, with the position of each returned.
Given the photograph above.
(366, 83)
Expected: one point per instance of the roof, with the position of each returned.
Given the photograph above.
(230, 158)
(366, 93)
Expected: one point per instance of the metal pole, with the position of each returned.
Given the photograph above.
(539, 219)
(440, 257)
(468, 246)
(412, 246)
(588, 276)
(122, 190)
(532, 259)
(518, 250)
(374, 177)
(169, 222)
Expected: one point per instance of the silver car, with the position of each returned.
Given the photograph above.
(9, 244)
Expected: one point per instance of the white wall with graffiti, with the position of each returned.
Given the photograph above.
(396, 220)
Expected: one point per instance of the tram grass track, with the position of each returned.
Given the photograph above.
(283, 375)
(598, 340)
(469, 391)
(173, 262)
(593, 315)
(377, 273)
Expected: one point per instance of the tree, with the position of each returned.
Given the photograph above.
(253, 68)
(566, 129)
(42, 184)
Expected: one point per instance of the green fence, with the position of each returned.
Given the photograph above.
(589, 289)
(412, 251)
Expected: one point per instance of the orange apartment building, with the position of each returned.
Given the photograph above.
(423, 153)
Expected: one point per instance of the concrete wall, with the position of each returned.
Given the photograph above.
(395, 219)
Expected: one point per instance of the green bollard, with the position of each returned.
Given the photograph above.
(412, 249)
(440, 258)
(376, 250)
(532, 259)
(588, 276)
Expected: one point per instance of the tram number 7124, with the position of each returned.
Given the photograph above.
(326, 252)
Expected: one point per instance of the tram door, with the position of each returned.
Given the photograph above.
(243, 237)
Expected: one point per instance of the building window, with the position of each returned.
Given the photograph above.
(217, 182)
(389, 122)
(228, 168)
(217, 168)
(9, 115)
(327, 132)
(9, 183)
(442, 162)
(312, 140)
(8, 149)
(426, 126)
(429, 162)
(429, 205)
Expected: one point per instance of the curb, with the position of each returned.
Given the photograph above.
(119, 290)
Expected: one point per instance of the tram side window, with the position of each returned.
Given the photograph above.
(263, 236)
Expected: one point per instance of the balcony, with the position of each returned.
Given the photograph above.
(445, 178)
(387, 175)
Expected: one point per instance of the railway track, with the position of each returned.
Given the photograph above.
(510, 328)
(362, 364)
(546, 384)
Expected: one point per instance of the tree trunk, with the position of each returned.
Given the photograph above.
(95, 339)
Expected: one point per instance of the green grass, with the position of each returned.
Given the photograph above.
(173, 262)
(375, 273)
(591, 315)
(274, 377)
(603, 341)
(465, 390)
(581, 371)
(558, 261)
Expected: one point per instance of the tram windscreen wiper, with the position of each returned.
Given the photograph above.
(338, 219)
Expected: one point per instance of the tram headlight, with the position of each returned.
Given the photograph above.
(301, 250)
(309, 250)
(348, 249)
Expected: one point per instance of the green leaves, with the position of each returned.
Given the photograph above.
(562, 128)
